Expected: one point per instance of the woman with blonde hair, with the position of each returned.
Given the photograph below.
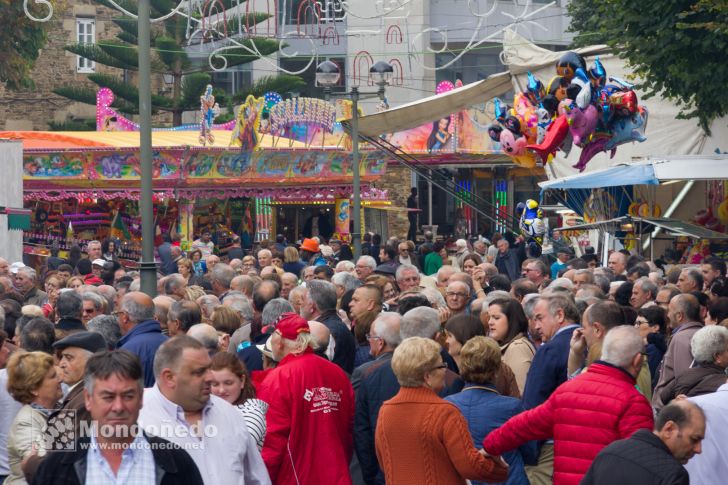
(74, 282)
(484, 407)
(421, 438)
(292, 261)
(33, 382)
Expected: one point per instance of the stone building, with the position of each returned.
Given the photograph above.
(34, 109)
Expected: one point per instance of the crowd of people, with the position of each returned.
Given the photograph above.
(415, 363)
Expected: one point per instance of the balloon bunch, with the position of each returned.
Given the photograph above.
(576, 107)
(530, 221)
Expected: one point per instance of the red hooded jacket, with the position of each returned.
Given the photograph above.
(583, 416)
(310, 419)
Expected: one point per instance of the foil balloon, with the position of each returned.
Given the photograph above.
(531, 221)
(556, 133)
(512, 143)
(597, 145)
(567, 65)
(582, 123)
(625, 130)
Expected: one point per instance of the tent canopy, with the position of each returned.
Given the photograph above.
(647, 172)
(673, 226)
(421, 112)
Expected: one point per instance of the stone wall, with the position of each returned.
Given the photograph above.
(33, 109)
(397, 182)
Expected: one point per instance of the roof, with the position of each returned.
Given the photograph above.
(674, 226)
(50, 140)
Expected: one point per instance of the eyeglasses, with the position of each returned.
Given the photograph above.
(441, 366)
(637, 323)
(117, 313)
(403, 250)
(459, 295)
(88, 310)
(373, 337)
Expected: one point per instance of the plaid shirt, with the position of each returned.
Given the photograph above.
(137, 465)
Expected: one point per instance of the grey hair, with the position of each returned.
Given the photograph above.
(98, 300)
(590, 275)
(346, 280)
(240, 303)
(208, 303)
(434, 297)
(405, 267)
(295, 291)
(345, 266)
(323, 294)
(562, 283)
(529, 303)
(368, 260)
(108, 327)
(30, 272)
(420, 322)
(173, 283)
(223, 274)
(274, 309)
(205, 334)
(496, 295)
(707, 342)
(648, 285)
(620, 346)
(109, 293)
(137, 312)
(387, 327)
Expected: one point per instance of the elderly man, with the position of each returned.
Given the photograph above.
(457, 297)
(304, 393)
(345, 267)
(585, 414)
(69, 309)
(617, 262)
(444, 274)
(244, 284)
(142, 335)
(113, 397)
(536, 271)
(657, 457)
(684, 319)
(644, 292)
(93, 306)
(182, 315)
(582, 277)
(555, 316)
(25, 283)
(175, 286)
(710, 467)
(215, 436)
(365, 266)
(320, 304)
(508, 261)
(408, 277)
(288, 282)
(94, 251)
(220, 278)
(690, 280)
(383, 338)
(264, 258)
(4, 267)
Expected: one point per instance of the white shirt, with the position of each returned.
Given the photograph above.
(711, 466)
(225, 453)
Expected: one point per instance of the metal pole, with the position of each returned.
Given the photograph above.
(429, 201)
(147, 265)
(356, 188)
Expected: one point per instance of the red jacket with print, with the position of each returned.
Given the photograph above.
(583, 416)
(309, 419)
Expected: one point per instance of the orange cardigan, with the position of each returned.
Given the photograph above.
(422, 439)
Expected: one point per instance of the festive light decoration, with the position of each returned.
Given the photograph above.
(444, 87)
(311, 112)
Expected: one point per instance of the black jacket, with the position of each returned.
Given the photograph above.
(345, 348)
(642, 459)
(173, 465)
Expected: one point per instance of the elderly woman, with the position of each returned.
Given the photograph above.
(508, 325)
(421, 438)
(709, 347)
(483, 406)
(231, 382)
(33, 382)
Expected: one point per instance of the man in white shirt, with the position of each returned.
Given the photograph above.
(204, 244)
(180, 408)
(711, 466)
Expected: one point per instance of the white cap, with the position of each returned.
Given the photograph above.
(16, 266)
(99, 262)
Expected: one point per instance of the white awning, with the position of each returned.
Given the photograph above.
(426, 110)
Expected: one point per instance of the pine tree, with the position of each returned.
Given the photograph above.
(169, 58)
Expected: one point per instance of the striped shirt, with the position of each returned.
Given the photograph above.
(253, 411)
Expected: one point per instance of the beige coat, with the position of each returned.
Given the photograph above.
(28, 428)
(518, 354)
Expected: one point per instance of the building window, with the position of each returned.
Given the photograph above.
(85, 34)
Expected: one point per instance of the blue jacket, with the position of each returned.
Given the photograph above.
(379, 384)
(548, 369)
(144, 340)
(485, 410)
